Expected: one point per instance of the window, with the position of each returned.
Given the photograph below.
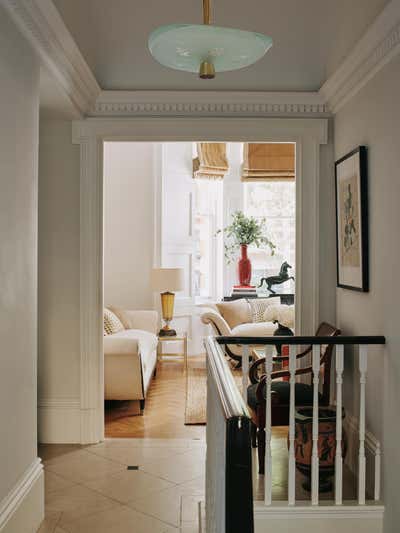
(208, 248)
(276, 201)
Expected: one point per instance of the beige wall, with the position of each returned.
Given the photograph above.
(19, 108)
(128, 224)
(372, 118)
(59, 351)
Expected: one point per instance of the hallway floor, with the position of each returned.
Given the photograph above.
(89, 489)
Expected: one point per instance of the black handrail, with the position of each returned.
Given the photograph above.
(299, 339)
(238, 486)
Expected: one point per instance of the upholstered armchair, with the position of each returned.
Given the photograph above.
(235, 319)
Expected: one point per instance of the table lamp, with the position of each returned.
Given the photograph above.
(167, 281)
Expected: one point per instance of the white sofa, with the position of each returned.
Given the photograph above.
(250, 324)
(130, 356)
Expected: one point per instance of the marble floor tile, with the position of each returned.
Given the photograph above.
(53, 482)
(133, 455)
(196, 486)
(82, 467)
(75, 502)
(189, 527)
(149, 442)
(165, 505)
(50, 522)
(128, 485)
(119, 519)
(177, 470)
(190, 508)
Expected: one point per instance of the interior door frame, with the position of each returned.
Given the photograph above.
(91, 133)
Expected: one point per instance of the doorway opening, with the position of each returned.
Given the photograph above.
(164, 211)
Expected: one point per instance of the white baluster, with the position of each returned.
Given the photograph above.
(316, 351)
(339, 403)
(363, 356)
(377, 492)
(269, 350)
(292, 461)
(245, 370)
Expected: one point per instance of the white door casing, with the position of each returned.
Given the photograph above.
(308, 133)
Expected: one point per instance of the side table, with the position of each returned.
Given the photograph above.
(182, 337)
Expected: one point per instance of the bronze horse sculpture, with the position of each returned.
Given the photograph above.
(277, 280)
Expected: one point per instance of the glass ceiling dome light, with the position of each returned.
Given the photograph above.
(206, 49)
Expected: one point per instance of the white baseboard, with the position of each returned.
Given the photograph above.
(22, 510)
(329, 518)
(59, 421)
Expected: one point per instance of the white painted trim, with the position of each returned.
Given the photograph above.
(10, 505)
(325, 510)
(208, 103)
(90, 134)
(377, 46)
(40, 22)
(59, 421)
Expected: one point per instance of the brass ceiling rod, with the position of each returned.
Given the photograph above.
(206, 12)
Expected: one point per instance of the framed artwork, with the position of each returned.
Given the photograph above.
(352, 220)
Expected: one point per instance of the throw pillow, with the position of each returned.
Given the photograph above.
(258, 307)
(121, 315)
(236, 312)
(112, 323)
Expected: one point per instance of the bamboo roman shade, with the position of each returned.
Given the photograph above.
(211, 162)
(268, 162)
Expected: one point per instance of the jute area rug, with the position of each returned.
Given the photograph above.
(196, 390)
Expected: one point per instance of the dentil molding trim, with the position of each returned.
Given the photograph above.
(208, 103)
(40, 22)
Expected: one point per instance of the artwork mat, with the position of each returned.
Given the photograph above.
(352, 168)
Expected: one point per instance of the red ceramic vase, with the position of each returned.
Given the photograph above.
(244, 266)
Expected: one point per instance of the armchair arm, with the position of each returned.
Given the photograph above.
(253, 370)
(218, 323)
(120, 346)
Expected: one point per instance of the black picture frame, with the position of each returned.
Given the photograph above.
(352, 260)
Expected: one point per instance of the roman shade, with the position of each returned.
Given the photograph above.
(211, 162)
(268, 162)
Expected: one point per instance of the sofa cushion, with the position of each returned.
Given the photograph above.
(145, 339)
(303, 393)
(112, 324)
(235, 312)
(259, 329)
(258, 306)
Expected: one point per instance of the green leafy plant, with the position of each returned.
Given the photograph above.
(245, 230)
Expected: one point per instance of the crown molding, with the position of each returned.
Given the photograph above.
(208, 103)
(374, 50)
(40, 22)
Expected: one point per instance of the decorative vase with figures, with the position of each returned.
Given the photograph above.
(326, 445)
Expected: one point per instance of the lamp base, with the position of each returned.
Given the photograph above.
(167, 332)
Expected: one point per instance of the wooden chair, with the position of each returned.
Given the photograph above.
(280, 390)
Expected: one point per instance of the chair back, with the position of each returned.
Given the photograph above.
(326, 330)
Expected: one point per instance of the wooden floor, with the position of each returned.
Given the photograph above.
(164, 411)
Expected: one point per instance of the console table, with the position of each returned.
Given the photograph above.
(285, 299)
